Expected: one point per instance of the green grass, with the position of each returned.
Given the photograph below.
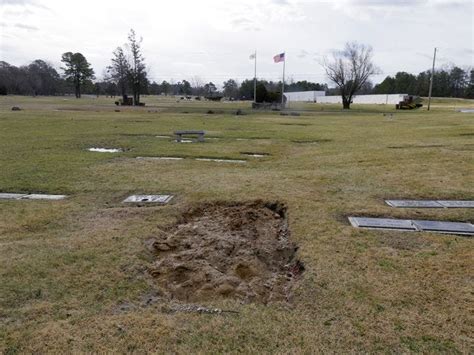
(67, 266)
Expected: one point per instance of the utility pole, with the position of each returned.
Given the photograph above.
(283, 83)
(255, 80)
(431, 80)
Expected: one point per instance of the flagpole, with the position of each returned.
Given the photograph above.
(255, 80)
(283, 81)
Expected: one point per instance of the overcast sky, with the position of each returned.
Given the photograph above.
(213, 39)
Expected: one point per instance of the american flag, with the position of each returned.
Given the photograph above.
(279, 58)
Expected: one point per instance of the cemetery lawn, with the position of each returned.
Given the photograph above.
(74, 273)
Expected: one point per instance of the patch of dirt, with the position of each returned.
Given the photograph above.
(227, 250)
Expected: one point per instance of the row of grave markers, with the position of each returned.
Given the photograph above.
(358, 222)
(418, 225)
(413, 225)
(429, 204)
(162, 199)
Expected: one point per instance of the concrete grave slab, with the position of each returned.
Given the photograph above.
(255, 154)
(382, 223)
(445, 227)
(222, 160)
(43, 197)
(9, 196)
(414, 203)
(456, 204)
(162, 199)
(413, 225)
(105, 150)
(430, 203)
(160, 158)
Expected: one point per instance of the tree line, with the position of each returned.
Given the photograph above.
(127, 74)
(41, 78)
(447, 82)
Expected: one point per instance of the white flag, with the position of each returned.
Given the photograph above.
(252, 56)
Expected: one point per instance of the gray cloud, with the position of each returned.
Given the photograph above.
(26, 27)
(387, 2)
(454, 4)
(22, 3)
(245, 24)
(241, 21)
(302, 54)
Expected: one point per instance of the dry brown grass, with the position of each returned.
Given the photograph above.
(74, 273)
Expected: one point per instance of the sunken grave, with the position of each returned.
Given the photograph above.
(227, 251)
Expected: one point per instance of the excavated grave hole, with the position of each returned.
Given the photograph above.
(227, 250)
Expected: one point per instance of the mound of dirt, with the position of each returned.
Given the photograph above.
(227, 250)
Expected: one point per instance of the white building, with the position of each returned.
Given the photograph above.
(320, 97)
(303, 96)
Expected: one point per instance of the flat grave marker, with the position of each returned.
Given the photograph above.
(43, 197)
(430, 203)
(414, 203)
(160, 158)
(413, 225)
(222, 160)
(10, 196)
(255, 154)
(105, 150)
(382, 223)
(445, 227)
(162, 199)
(456, 204)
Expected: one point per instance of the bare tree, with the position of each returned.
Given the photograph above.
(119, 70)
(350, 69)
(198, 85)
(137, 70)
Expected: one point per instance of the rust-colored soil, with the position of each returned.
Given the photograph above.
(227, 250)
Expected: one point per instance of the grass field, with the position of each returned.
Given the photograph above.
(74, 273)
